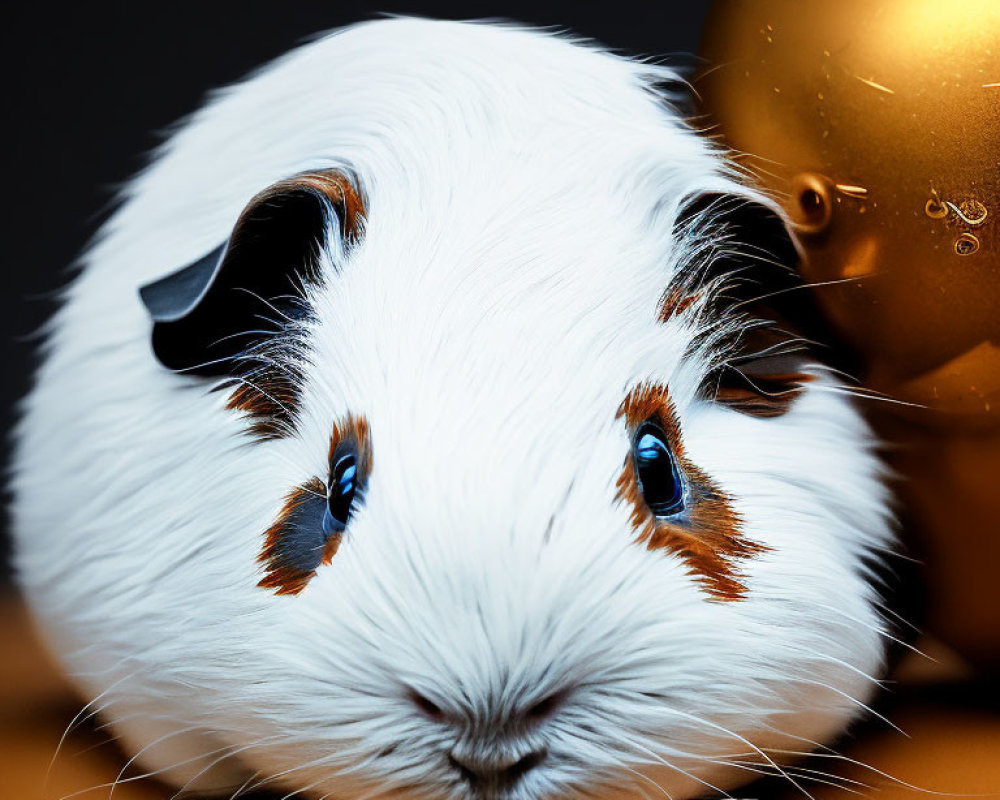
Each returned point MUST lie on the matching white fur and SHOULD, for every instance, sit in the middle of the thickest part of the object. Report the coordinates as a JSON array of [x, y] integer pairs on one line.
[[520, 191]]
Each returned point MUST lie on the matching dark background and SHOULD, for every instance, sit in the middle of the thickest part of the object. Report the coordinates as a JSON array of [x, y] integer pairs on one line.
[[88, 87]]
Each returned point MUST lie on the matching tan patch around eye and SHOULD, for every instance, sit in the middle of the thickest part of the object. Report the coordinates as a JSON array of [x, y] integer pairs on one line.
[[356, 428], [282, 574], [710, 541], [284, 578]]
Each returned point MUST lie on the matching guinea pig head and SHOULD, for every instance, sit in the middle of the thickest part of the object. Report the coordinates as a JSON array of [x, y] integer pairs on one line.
[[551, 495]]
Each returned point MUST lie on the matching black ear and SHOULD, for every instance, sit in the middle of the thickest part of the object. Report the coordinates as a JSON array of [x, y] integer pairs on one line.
[[769, 324], [209, 313]]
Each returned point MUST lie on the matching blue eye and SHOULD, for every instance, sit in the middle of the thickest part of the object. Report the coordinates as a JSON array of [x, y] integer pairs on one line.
[[659, 477], [343, 488]]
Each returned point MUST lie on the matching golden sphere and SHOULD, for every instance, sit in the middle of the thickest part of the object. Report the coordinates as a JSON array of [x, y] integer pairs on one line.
[[877, 125]]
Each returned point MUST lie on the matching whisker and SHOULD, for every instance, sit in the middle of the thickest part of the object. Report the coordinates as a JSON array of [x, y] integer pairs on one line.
[[745, 741], [661, 760], [805, 773], [869, 767], [226, 753], [271, 305], [110, 785], [240, 789], [159, 740], [79, 718], [646, 778]]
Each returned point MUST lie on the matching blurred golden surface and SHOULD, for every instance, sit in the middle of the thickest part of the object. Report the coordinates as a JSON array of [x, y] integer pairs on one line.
[[953, 728], [876, 125]]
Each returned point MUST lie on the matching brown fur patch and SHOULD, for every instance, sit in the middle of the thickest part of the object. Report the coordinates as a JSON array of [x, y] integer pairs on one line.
[[281, 577], [710, 542], [762, 385], [269, 396], [336, 187], [762, 395], [675, 302], [353, 428]]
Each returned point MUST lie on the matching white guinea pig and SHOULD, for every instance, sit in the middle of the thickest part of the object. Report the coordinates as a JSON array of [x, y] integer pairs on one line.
[[428, 423]]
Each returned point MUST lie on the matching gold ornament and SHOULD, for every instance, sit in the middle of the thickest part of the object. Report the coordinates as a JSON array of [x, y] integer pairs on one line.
[[876, 124]]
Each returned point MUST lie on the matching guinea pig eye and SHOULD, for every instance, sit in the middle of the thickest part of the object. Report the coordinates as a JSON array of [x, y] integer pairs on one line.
[[660, 479], [341, 492]]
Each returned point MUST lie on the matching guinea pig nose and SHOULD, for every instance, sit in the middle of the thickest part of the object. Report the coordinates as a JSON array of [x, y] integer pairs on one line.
[[541, 710], [427, 707], [495, 771]]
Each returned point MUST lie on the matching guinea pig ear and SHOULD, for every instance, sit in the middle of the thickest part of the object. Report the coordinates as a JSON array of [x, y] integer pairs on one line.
[[762, 318], [209, 313]]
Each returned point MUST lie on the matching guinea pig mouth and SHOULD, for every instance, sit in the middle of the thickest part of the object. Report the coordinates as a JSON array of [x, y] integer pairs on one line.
[[490, 779], [495, 772]]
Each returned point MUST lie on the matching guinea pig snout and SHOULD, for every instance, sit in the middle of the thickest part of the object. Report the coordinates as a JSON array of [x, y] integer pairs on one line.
[[494, 769], [496, 744]]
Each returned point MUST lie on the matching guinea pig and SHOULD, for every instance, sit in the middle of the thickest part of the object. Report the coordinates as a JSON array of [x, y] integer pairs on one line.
[[436, 417]]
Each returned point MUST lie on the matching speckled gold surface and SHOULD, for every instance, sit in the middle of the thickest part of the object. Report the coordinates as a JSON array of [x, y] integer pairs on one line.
[[876, 124]]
